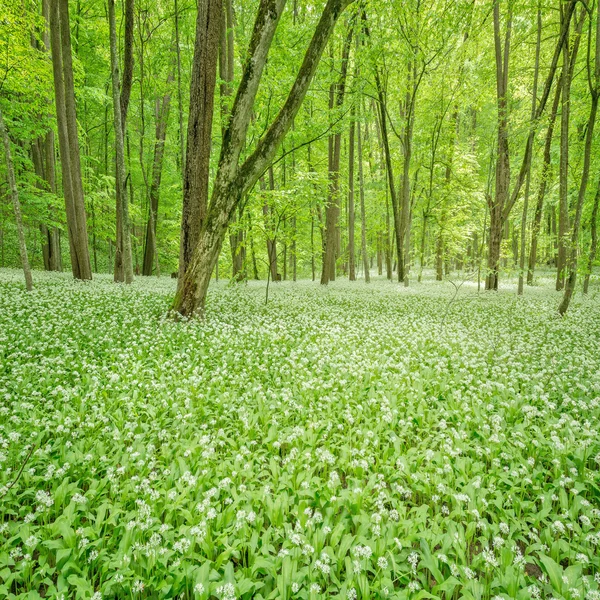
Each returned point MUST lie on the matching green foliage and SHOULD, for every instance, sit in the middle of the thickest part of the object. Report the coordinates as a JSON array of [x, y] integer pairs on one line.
[[348, 442]]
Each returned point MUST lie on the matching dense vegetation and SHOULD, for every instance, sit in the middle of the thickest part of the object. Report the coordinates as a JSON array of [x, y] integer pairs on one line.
[[355, 443], [449, 135], [331, 327]]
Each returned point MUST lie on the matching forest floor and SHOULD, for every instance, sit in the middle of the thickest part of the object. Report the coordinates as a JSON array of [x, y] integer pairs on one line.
[[358, 441]]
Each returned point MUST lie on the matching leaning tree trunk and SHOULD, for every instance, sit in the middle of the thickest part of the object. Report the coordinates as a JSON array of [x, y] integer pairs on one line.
[[232, 181], [14, 192], [594, 83], [122, 201]]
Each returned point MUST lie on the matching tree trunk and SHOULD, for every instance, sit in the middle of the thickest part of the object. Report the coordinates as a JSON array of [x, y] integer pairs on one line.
[[332, 213], [124, 249], [233, 181], [14, 192], [351, 248], [594, 82], [528, 179], [545, 175], [162, 119], [502, 162], [202, 88], [594, 241], [68, 139], [363, 214]]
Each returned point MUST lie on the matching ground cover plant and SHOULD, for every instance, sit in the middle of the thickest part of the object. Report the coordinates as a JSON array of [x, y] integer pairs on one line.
[[346, 442]]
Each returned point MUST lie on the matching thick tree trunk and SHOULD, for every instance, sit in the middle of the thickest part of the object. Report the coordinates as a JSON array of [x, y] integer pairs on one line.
[[233, 181], [202, 91], [545, 175], [124, 248], [14, 193], [68, 139]]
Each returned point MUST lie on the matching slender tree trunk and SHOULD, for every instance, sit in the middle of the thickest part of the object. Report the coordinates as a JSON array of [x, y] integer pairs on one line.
[[14, 192], [594, 241], [351, 224], [332, 213], [179, 94], [269, 227], [563, 196], [545, 175], [363, 213], [122, 201], [587, 155], [528, 179], [162, 119]]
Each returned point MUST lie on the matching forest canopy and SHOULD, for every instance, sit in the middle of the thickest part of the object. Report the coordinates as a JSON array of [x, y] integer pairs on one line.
[[290, 140]]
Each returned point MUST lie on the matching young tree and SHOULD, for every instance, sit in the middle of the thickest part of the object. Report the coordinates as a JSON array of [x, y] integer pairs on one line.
[[594, 87], [14, 193]]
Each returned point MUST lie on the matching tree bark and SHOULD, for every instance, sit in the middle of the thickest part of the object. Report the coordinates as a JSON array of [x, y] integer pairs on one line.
[[202, 92], [124, 247], [233, 181], [351, 219], [14, 193], [162, 118], [594, 84], [545, 175], [68, 139], [332, 213], [361, 191], [528, 178], [502, 162], [594, 241]]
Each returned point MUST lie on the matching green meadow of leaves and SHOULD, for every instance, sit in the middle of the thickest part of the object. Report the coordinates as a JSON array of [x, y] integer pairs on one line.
[[350, 442]]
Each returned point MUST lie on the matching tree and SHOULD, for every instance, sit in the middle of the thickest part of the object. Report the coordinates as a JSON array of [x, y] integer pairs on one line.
[[232, 180], [14, 193], [594, 87], [202, 91], [68, 138], [123, 249]]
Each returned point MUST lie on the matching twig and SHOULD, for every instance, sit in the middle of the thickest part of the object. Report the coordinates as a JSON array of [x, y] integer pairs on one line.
[[33, 447]]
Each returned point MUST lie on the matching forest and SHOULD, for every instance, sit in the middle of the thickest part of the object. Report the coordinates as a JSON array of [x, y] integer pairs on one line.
[[299, 299]]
